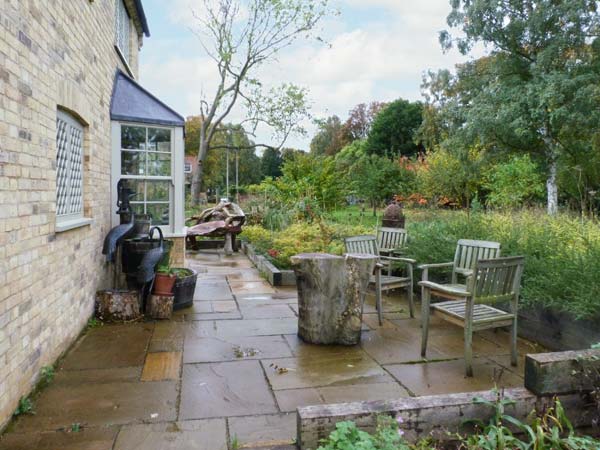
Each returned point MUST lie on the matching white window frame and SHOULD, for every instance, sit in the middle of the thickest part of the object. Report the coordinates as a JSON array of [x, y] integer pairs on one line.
[[70, 137], [122, 31], [176, 226]]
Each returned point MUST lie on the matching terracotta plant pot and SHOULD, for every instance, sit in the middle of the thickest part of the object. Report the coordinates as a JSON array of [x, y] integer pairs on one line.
[[164, 283]]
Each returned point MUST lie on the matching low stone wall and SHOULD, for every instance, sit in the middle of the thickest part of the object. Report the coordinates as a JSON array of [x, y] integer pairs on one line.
[[547, 376], [273, 275], [556, 330]]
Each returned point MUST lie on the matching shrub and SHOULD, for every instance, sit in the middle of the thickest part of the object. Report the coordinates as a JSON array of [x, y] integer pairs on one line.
[[514, 183]]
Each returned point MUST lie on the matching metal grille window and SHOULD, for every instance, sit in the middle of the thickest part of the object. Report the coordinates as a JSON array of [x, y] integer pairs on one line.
[[69, 168], [122, 29], [146, 163]]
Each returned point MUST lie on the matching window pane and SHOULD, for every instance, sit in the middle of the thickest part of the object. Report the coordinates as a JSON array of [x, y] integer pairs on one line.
[[159, 213], [157, 191], [137, 188], [132, 163], [137, 208], [133, 137], [159, 139], [159, 164]]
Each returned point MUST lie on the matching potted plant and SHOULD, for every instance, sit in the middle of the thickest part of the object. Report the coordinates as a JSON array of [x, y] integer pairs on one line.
[[185, 285], [164, 281]]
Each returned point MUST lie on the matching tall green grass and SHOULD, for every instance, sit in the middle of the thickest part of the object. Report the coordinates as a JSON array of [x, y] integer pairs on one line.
[[562, 267]]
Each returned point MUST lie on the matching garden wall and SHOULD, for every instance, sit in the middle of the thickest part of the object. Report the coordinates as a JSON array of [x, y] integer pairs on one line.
[[547, 375], [273, 275]]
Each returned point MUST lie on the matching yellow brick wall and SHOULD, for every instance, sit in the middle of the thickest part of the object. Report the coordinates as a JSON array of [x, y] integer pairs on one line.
[[53, 54]]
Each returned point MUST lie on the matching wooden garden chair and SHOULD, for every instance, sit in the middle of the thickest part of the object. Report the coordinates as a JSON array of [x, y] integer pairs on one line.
[[492, 281], [391, 240], [466, 255], [368, 244]]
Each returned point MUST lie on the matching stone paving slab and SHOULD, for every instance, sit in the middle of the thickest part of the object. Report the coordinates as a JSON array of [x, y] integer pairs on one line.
[[250, 327], [264, 430], [162, 366], [68, 378], [101, 404], [251, 287], [316, 372], [101, 438], [449, 377], [362, 392], [235, 348], [110, 346], [208, 434], [212, 291], [289, 400], [224, 389], [266, 311]]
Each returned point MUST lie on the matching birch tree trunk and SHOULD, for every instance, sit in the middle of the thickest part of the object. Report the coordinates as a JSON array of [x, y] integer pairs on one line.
[[197, 178], [552, 186]]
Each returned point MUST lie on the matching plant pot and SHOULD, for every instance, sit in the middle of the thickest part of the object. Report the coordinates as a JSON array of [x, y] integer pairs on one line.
[[163, 284], [184, 288]]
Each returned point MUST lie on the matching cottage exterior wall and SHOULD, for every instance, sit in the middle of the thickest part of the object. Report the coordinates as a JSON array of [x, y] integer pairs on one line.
[[53, 55]]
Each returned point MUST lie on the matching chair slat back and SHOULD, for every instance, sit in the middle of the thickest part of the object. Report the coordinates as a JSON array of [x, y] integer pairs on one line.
[[468, 252], [498, 279], [362, 244], [391, 238]]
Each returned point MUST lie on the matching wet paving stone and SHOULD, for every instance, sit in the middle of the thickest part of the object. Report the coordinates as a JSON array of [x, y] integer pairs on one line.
[[212, 291], [224, 389], [266, 311], [388, 345], [263, 430], [251, 287], [108, 346], [207, 434], [245, 275], [101, 404], [250, 327], [217, 349], [168, 336], [291, 399], [303, 372], [449, 377], [362, 392], [162, 366], [118, 374], [101, 438]]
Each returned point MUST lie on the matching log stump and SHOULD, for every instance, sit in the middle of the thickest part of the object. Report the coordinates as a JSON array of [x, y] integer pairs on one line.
[[117, 306], [331, 294], [160, 306]]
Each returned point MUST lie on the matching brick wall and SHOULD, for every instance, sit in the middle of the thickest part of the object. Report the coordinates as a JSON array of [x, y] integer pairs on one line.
[[53, 53]]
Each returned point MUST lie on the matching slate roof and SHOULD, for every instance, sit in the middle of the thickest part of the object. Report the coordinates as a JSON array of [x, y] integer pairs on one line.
[[131, 102]]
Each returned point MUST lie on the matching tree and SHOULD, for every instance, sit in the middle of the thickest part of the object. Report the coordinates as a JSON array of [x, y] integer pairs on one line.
[[376, 178], [240, 36], [539, 87], [360, 119], [328, 140], [393, 130], [271, 163]]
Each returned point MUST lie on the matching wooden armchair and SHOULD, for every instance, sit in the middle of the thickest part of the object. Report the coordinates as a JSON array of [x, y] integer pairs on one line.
[[391, 240], [466, 255], [368, 244], [492, 280]]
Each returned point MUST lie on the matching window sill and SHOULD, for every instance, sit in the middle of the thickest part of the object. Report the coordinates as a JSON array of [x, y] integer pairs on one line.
[[72, 224]]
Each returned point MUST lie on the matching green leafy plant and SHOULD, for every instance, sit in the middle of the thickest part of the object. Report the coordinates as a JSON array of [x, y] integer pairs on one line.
[[347, 436], [93, 323], [25, 406], [47, 374]]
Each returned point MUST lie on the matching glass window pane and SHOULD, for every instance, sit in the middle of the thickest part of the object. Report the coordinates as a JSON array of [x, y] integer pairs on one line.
[[157, 191], [133, 137], [159, 139], [159, 164], [132, 163], [159, 213], [137, 188], [137, 208]]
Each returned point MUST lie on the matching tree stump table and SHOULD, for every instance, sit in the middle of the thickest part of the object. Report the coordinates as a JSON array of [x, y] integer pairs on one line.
[[331, 293], [117, 306]]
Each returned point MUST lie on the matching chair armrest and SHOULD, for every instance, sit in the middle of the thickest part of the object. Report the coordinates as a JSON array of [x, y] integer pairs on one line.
[[436, 265], [465, 272], [399, 259], [444, 289]]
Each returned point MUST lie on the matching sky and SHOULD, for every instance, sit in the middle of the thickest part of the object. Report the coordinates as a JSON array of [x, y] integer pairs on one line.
[[377, 50]]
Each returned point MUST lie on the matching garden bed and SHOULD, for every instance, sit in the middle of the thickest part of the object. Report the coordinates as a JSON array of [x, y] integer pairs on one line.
[[273, 275]]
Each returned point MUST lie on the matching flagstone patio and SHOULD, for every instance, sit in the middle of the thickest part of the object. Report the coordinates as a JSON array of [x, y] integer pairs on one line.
[[231, 369]]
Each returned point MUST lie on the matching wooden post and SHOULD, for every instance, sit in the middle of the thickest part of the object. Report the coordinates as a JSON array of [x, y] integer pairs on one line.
[[160, 306], [117, 306], [331, 293]]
